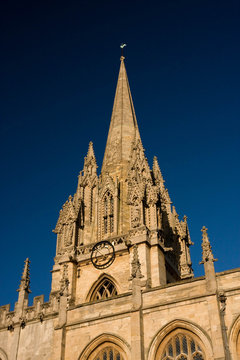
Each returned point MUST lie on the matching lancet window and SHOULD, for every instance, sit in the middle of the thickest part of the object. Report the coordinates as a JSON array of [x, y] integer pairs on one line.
[[108, 214], [104, 290], [182, 347], [108, 353]]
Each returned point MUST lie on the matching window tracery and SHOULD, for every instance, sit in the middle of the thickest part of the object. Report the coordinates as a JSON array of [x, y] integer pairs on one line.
[[108, 213], [105, 289], [182, 347], [108, 353]]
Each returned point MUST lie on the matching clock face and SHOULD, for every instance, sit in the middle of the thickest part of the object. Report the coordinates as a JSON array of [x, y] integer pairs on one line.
[[103, 254]]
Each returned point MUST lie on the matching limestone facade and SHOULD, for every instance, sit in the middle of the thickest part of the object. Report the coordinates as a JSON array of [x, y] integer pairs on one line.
[[146, 305]]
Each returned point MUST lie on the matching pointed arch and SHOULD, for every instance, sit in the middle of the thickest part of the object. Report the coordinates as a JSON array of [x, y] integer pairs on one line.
[[104, 287], [106, 341], [178, 329], [234, 338], [3, 355]]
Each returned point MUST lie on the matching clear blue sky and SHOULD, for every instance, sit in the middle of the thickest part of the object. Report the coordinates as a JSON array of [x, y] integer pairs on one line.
[[59, 67]]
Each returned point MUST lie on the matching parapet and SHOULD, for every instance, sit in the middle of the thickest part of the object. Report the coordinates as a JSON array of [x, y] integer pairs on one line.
[[39, 311]]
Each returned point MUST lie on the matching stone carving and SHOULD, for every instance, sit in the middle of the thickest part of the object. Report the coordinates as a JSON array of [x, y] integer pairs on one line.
[[67, 215], [135, 195], [207, 254], [222, 299], [10, 322], [22, 322], [159, 218], [138, 165], [41, 317], [106, 182], [68, 233], [135, 217], [136, 265], [151, 195], [64, 282]]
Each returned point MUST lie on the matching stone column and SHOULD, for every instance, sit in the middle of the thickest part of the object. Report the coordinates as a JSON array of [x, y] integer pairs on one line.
[[136, 313]]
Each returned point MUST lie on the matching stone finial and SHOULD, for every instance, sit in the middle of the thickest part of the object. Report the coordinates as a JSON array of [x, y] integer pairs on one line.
[[207, 254], [25, 280], [90, 150], [136, 265]]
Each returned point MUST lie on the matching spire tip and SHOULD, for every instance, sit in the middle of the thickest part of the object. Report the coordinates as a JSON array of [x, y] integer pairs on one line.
[[122, 46]]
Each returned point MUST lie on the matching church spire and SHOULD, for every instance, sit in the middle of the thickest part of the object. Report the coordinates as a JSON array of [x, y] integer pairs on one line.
[[123, 127]]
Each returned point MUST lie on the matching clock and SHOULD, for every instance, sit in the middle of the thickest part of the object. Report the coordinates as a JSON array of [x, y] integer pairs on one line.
[[103, 254]]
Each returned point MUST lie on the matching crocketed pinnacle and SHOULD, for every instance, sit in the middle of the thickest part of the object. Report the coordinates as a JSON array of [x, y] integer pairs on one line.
[[207, 254], [123, 127], [25, 279], [157, 172], [90, 164]]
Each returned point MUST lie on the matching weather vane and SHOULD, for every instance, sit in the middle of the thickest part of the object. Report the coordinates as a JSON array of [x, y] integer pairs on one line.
[[122, 46]]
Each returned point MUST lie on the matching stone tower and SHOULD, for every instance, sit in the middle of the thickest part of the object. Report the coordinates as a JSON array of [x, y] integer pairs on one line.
[[127, 204]]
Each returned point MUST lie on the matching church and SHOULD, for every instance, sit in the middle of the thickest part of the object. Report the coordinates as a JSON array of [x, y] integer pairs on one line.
[[123, 287]]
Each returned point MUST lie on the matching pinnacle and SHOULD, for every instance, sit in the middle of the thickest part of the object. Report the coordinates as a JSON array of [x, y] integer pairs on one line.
[[174, 211], [90, 150], [25, 279], [207, 254], [156, 171], [204, 234], [90, 164]]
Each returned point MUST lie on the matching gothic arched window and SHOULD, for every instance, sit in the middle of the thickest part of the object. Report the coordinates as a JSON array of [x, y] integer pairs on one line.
[[182, 347], [108, 353], [108, 214], [104, 290]]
